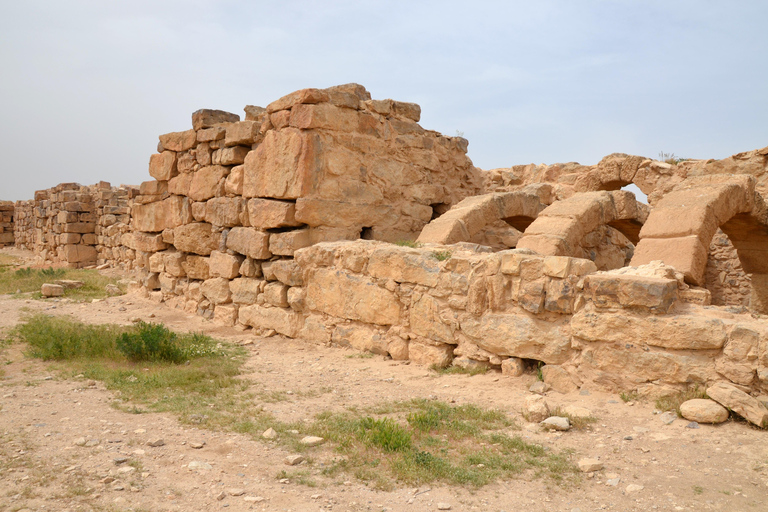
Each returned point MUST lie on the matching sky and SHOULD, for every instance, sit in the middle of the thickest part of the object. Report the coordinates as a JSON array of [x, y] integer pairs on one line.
[[87, 86]]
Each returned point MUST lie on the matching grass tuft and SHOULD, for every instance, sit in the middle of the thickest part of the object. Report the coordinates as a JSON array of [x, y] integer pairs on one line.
[[442, 255], [408, 243], [673, 402], [460, 370]]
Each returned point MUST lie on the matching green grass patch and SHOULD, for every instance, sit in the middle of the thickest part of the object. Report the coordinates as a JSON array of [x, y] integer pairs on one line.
[[442, 255], [460, 370], [629, 396], [29, 280], [408, 243], [672, 402]]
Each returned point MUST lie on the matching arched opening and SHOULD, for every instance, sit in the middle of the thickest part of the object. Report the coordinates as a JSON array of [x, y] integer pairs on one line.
[[749, 235]]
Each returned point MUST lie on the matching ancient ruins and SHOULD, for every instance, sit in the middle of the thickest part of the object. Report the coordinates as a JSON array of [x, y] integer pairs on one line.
[[336, 218]]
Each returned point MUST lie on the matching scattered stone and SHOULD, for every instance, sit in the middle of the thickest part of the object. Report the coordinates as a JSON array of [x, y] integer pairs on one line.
[[539, 387], [739, 402], [254, 499], [703, 411], [120, 460], [668, 417], [91, 443], [590, 465], [51, 290], [80, 441], [443, 506], [155, 442], [574, 411], [692, 424], [294, 460], [196, 445], [613, 482], [316, 496], [537, 408], [269, 434], [312, 441], [125, 470], [221, 496], [634, 488], [236, 491], [556, 423], [107, 480], [196, 464], [112, 290]]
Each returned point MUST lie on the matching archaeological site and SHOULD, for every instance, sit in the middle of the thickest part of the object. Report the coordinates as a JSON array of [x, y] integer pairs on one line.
[[334, 218]]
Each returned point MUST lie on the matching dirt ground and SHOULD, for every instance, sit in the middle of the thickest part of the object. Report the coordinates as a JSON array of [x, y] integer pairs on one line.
[[722, 467]]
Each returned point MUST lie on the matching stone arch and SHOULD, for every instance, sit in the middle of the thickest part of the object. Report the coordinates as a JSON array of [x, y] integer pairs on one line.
[[471, 215], [680, 229], [619, 170], [560, 228]]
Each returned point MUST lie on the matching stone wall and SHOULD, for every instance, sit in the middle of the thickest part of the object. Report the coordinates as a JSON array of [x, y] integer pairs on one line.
[[6, 223], [75, 225], [231, 200], [625, 329], [725, 277]]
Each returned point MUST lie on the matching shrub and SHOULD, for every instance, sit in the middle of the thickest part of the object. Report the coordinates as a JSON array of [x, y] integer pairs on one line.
[[151, 342]]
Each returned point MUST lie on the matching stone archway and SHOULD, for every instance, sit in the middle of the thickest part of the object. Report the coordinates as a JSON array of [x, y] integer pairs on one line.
[[471, 215], [560, 228], [680, 229]]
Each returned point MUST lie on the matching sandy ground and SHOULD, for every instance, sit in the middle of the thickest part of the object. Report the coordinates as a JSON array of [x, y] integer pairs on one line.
[[722, 467]]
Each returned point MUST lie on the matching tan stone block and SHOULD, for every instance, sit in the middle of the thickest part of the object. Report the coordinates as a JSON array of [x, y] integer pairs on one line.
[[288, 242], [51, 290], [512, 367], [522, 336], [557, 377], [162, 166], [187, 162], [65, 217], [78, 206], [234, 183], [172, 263], [216, 290], [617, 290], [557, 266], [196, 267], [250, 242], [285, 321], [145, 242], [410, 111], [269, 214], [179, 141], [224, 211], [69, 238], [739, 402], [78, 253], [180, 184], [224, 265], [343, 295], [284, 166], [79, 227], [324, 116], [230, 156], [686, 254], [425, 320], [361, 337], [211, 134], [245, 290], [198, 211], [681, 221], [703, 411], [206, 117], [287, 271], [307, 96], [153, 187], [545, 244], [323, 212], [156, 262], [225, 314], [155, 217], [276, 293], [404, 264], [424, 354], [254, 113], [205, 182], [250, 268], [280, 119], [197, 238]]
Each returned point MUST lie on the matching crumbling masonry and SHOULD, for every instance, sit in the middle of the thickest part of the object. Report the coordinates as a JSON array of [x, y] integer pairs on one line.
[[292, 221]]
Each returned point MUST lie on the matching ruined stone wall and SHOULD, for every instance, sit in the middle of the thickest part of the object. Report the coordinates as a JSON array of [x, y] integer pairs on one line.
[[725, 277], [6, 223], [75, 225], [231, 201], [626, 329]]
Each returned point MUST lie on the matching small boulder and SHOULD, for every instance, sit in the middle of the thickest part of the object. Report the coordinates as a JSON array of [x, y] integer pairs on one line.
[[702, 410], [269, 434], [312, 441], [590, 465], [632, 488], [51, 290], [740, 403], [155, 442], [294, 460], [557, 377], [668, 417], [556, 423], [537, 408], [539, 387]]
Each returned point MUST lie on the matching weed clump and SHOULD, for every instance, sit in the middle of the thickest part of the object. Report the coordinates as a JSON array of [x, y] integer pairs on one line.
[[151, 342]]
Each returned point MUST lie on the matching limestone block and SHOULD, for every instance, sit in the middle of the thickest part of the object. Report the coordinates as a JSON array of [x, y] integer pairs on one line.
[[196, 267], [740, 372], [234, 155], [287, 272], [223, 211], [284, 166], [678, 332], [250, 242], [686, 254], [216, 290], [205, 182], [198, 211], [558, 378], [156, 262], [512, 367], [77, 206], [276, 293], [179, 141], [234, 182], [361, 337], [51, 290], [343, 295], [167, 283], [692, 219], [243, 133], [78, 253], [315, 330], [284, 321], [397, 348], [280, 119], [324, 116], [168, 213], [739, 402], [557, 266], [521, 336], [211, 134], [224, 265], [302, 96], [172, 263], [560, 295], [703, 411], [151, 187], [269, 214], [297, 298], [512, 261], [69, 238], [186, 162], [245, 290], [616, 290], [410, 111], [425, 320], [225, 314], [286, 243], [337, 213], [162, 166], [254, 113], [250, 268], [64, 217], [206, 117], [180, 184], [438, 355], [404, 265], [197, 238], [79, 227]]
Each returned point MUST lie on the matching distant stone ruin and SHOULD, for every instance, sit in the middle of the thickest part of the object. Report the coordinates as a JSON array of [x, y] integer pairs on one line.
[[337, 218]]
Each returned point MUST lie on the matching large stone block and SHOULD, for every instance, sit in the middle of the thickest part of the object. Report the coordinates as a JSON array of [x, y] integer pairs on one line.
[[686, 254], [270, 214], [287, 272], [197, 238], [324, 116], [426, 320], [739, 402], [206, 117], [361, 337], [245, 290], [284, 166], [216, 290], [343, 295], [146, 242], [242, 133], [250, 242], [162, 166], [196, 267], [205, 182], [439, 355], [234, 155], [179, 141], [302, 96], [285, 321], [286, 243], [225, 265], [155, 217], [323, 212], [617, 290], [224, 211], [78, 253]]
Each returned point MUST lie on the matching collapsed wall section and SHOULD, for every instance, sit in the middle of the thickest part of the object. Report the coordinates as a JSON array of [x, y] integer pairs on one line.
[[7, 227]]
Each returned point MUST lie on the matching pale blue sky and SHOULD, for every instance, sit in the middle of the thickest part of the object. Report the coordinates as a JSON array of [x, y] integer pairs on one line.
[[86, 86]]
